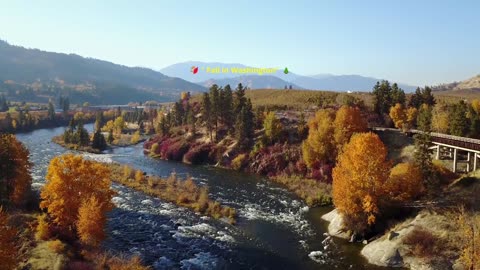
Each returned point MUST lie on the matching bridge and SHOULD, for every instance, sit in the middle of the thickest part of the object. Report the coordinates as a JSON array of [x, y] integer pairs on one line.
[[454, 147]]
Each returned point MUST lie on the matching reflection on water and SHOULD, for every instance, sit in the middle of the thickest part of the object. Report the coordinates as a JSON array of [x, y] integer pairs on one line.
[[275, 230]]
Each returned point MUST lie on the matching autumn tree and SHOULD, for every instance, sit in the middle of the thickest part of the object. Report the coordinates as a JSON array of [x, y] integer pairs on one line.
[[404, 183], [70, 180], [440, 122], [15, 179], [397, 114], [273, 127], [319, 146], [135, 137], [359, 180], [348, 120], [469, 228], [8, 248], [119, 125], [91, 221]]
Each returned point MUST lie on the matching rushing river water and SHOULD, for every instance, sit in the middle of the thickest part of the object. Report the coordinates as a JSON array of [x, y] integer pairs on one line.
[[274, 230]]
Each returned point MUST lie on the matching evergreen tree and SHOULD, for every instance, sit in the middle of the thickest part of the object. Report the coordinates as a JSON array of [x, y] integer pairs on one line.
[[416, 99], [383, 97], [458, 119], [66, 105], [3, 103], [51, 111], [240, 99], [81, 135], [207, 113], [98, 141], [423, 140], [398, 95], [427, 97], [215, 108], [244, 127], [227, 107], [474, 123]]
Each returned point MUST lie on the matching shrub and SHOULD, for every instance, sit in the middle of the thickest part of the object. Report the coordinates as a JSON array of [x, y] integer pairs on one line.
[[134, 263], [199, 154], [56, 246], [239, 161], [136, 137], [43, 230], [422, 243]]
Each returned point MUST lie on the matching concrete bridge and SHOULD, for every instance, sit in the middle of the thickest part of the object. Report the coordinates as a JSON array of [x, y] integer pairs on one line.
[[455, 147], [459, 149]]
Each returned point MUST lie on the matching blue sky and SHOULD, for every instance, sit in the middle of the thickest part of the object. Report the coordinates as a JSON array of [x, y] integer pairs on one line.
[[416, 42]]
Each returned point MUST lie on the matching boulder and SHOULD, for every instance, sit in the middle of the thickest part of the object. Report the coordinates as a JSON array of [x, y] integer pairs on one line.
[[335, 228]]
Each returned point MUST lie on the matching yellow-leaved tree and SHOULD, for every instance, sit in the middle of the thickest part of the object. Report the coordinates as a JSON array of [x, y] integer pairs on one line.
[[70, 180], [405, 183], [397, 114], [319, 145], [8, 248], [359, 180], [91, 222], [348, 120]]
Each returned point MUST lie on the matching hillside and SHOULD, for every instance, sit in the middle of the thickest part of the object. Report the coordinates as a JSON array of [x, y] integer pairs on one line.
[[468, 89], [91, 79]]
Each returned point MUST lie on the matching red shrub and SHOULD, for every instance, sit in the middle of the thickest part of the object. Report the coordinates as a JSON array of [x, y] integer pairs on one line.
[[198, 154]]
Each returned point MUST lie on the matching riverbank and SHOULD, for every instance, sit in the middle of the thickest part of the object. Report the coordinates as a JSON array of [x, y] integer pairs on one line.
[[182, 192], [432, 237], [280, 163], [124, 140]]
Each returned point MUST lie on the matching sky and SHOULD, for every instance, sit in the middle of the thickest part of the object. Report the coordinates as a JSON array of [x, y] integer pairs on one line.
[[416, 42]]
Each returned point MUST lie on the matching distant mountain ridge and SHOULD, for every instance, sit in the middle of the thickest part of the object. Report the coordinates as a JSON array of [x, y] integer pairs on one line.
[[313, 82], [471, 84], [55, 70]]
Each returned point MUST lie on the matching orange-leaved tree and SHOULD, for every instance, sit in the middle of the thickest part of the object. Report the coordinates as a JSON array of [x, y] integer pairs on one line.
[[319, 147], [397, 114], [91, 221], [70, 180], [15, 179], [8, 249], [348, 120], [405, 183], [358, 180]]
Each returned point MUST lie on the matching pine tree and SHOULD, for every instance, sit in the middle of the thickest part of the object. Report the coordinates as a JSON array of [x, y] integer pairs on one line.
[[398, 95], [383, 97], [240, 99], [81, 135], [458, 119], [422, 156], [215, 107], [227, 107], [51, 111], [206, 113], [416, 99], [3, 103], [98, 141]]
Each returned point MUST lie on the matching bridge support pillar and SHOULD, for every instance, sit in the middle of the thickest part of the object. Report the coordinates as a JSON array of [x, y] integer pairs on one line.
[[437, 156], [454, 160], [468, 161], [475, 161]]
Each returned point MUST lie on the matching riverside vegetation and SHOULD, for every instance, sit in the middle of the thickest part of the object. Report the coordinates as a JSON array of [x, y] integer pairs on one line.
[[330, 154]]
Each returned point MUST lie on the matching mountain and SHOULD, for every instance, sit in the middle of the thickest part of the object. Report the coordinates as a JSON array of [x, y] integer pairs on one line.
[[95, 80], [252, 82], [342, 83], [314, 82], [468, 84]]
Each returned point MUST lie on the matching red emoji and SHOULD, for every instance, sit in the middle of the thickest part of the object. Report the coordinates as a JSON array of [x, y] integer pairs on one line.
[[194, 70]]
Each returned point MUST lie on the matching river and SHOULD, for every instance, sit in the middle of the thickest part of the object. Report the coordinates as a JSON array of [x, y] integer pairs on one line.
[[274, 230]]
